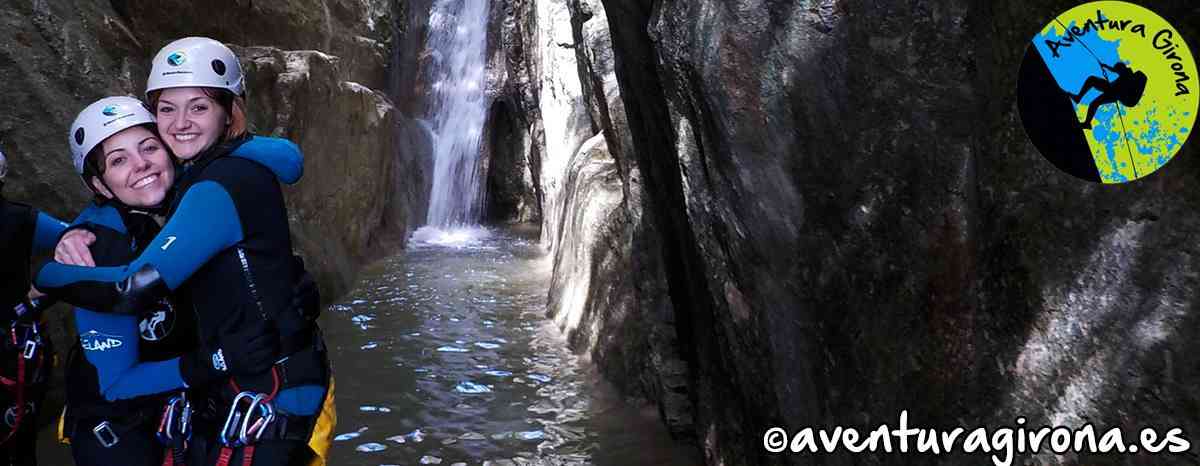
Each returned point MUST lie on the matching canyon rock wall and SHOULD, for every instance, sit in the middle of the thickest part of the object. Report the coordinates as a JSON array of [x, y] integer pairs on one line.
[[852, 222]]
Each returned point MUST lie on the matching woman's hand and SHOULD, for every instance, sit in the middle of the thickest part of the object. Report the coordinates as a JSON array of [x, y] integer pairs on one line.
[[73, 249]]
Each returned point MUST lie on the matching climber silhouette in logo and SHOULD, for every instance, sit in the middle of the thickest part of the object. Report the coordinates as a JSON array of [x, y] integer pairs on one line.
[[1126, 89]]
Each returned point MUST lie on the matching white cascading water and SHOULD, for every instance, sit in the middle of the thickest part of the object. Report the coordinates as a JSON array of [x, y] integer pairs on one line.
[[458, 108]]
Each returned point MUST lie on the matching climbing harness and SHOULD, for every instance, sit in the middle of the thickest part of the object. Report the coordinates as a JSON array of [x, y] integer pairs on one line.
[[24, 339]]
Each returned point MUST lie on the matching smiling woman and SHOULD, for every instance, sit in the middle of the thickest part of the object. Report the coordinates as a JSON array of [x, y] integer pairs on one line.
[[136, 168], [117, 151], [225, 247], [191, 119], [196, 90], [120, 381]]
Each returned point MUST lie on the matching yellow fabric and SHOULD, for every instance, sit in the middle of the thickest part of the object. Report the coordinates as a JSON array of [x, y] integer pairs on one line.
[[322, 436], [62, 427]]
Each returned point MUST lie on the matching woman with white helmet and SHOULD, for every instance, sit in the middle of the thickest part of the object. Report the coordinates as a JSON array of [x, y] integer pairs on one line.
[[225, 247], [132, 371]]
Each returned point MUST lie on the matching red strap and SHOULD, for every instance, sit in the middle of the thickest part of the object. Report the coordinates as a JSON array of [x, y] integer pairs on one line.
[[274, 384], [248, 455], [226, 454], [169, 458], [20, 395]]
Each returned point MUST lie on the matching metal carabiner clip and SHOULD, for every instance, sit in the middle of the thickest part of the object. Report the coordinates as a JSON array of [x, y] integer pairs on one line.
[[185, 420], [230, 433], [167, 427], [265, 418]]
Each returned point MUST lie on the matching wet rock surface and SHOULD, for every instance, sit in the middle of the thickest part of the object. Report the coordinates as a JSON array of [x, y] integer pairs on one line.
[[514, 137], [358, 194], [609, 293], [855, 224]]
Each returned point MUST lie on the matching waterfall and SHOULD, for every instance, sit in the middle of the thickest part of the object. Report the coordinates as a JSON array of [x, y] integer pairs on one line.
[[455, 70]]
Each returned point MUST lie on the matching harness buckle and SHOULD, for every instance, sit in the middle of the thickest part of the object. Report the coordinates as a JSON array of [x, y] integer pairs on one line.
[[27, 337], [105, 434], [30, 349]]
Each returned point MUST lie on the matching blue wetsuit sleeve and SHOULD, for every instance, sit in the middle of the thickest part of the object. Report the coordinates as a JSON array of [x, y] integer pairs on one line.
[[110, 343], [146, 378], [281, 156], [45, 234], [105, 215], [205, 223]]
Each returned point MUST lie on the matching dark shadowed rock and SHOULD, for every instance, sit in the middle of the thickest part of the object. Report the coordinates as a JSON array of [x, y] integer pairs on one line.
[[855, 224], [625, 321], [513, 140]]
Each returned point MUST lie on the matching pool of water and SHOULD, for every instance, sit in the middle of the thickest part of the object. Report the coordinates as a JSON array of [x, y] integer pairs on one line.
[[443, 355]]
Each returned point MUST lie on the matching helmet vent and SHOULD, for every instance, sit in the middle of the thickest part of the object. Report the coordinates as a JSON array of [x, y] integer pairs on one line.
[[219, 67]]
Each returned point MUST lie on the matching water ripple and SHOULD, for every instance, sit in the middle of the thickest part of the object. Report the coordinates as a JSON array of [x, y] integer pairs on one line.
[[437, 354]]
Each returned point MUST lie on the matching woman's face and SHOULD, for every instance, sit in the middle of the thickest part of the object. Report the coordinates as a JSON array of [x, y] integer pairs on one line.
[[137, 168], [189, 120]]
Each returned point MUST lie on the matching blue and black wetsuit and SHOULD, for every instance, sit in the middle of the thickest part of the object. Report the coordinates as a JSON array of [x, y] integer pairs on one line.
[[131, 362], [118, 361], [226, 250], [23, 232]]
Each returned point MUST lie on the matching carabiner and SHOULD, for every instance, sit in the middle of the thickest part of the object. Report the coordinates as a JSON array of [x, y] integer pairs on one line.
[[230, 434], [167, 427], [265, 418]]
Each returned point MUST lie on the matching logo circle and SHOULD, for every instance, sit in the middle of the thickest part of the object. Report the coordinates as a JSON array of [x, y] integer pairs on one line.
[[157, 325], [176, 58], [1107, 91]]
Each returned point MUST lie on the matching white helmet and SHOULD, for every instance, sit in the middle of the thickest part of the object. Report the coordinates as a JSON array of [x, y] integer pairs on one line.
[[104, 118], [195, 62]]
